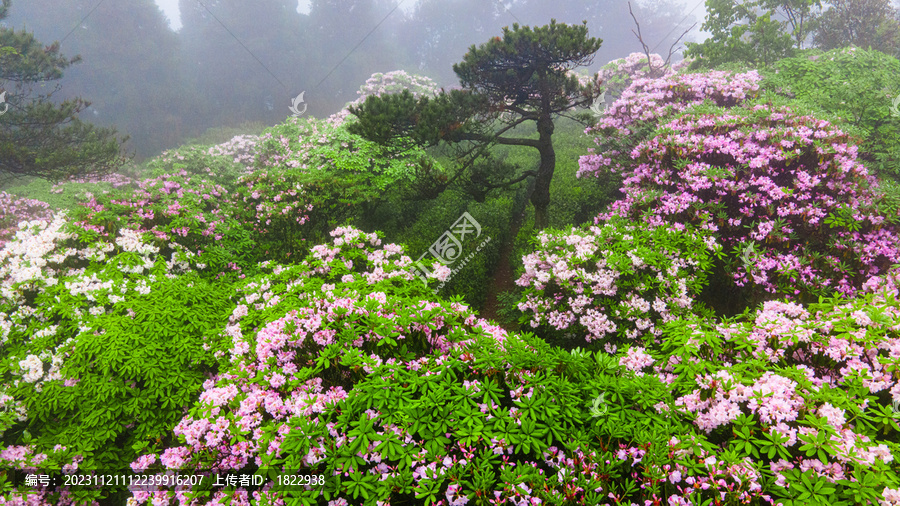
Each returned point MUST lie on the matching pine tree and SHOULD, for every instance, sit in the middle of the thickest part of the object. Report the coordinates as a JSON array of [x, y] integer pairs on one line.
[[519, 78], [38, 136]]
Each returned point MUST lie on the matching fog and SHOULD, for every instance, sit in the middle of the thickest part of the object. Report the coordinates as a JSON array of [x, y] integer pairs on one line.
[[165, 72]]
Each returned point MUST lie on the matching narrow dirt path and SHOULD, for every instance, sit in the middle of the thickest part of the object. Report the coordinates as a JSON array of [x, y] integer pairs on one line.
[[504, 279]]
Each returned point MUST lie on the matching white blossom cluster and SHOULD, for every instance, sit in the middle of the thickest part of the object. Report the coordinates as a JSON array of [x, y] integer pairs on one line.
[[89, 286], [32, 368], [5, 327], [130, 240], [8, 404], [22, 260]]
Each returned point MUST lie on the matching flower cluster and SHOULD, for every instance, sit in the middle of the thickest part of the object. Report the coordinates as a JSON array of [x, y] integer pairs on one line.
[[241, 149], [385, 84], [617, 279], [801, 425], [783, 192], [72, 301], [14, 210], [617, 75], [647, 101], [185, 216]]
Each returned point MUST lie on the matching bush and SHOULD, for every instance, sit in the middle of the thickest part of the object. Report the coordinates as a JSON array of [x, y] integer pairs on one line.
[[15, 210], [618, 75], [613, 283], [221, 164], [182, 214], [103, 346], [804, 393], [226, 134], [306, 335], [856, 84], [696, 417], [345, 177], [782, 191], [647, 102]]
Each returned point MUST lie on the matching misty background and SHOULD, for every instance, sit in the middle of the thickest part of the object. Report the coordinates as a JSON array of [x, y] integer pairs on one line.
[[166, 71]]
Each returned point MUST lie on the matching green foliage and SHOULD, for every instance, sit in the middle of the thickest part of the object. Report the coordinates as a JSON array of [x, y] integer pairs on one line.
[[858, 86], [749, 31], [527, 62], [473, 272], [577, 200], [869, 24], [505, 418], [888, 204], [799, 366], [200, 161], [127, 352], [345, 178]]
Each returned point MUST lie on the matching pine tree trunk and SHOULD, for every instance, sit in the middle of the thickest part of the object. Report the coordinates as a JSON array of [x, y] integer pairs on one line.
[[540, 197]]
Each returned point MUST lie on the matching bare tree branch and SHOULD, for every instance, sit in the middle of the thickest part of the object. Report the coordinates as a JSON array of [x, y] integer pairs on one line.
[[655, 72]]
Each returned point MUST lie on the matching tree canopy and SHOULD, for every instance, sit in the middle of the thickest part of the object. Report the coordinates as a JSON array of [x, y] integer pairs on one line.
[[761, 32], [521, 77]]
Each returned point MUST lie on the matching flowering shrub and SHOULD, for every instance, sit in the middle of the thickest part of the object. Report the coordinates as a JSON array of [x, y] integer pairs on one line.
[[241, 149], [341, 176], [300, 338], [618, 75], [614, 280], [504, 418], [14, 210], [783, 192], [56, 196], [640, 109], [804, 391], [140, 330], [385, 84], [221, 164], [104, 344], [338, 366], [333, 370], [275, 207], [181, 214]]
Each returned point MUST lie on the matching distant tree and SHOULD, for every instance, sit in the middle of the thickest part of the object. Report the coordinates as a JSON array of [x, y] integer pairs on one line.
[[39, 137], [349, 41], [862, 23], [131, 71], [440, 32], [519, 78], [755, 32], [244, 61]]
